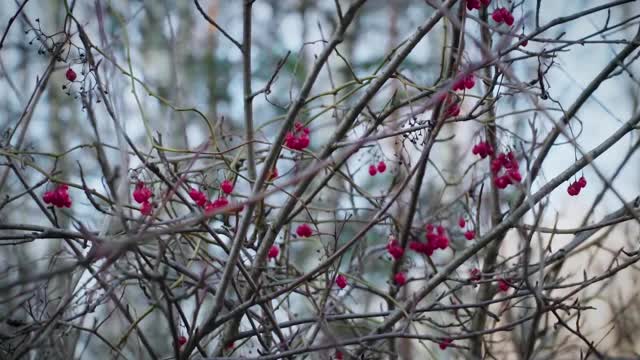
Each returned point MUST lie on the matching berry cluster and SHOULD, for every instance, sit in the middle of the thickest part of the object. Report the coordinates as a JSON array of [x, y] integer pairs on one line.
[[435, 240], [274, 250], [299, 138], [341, 281], [142, 194], [476, 4], [512, 172], [304, 230], [576, 186], [482, 149], [211, 206], [380, 168], [465, 82], [394, 248], [58, 197], [502, 15]]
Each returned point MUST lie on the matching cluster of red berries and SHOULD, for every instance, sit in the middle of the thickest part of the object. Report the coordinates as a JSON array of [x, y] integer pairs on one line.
[[576, 186], [304, 230], [58, 197], [469, 234], [435, 240], [445, 343], [511, 174], [341, 281], [299, 138], [400, 278], [393, 247], [482, 149], [502, 15], [274, 250], [475, 4], [380, 168], [465, 82], [211, 206], [142, 194]]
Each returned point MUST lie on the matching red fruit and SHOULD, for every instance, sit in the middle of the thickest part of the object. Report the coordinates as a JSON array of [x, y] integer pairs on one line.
[[142, 193], [400, 278], [226, 186], [501, 182], [146, 208], [503, 285], [429, 227], [503, 15], [475, 150], [485, 2], [70, 75], [182, 340], [574, 189], [219, 203], [470, 234], [440, 229], [445, 343], [496, 166], [498, 16], [395, 249], [341, 281], [582, 182], [299, 138], [58, 197], [304, 230], [338, 355], [475, 274], [461, 222], [524, 43], [514, 175], [469, 81], [416, 246], [273, 252], [442, 242], [453, 110], [382, 167], [198, 197], [373, 170], [473, 4]]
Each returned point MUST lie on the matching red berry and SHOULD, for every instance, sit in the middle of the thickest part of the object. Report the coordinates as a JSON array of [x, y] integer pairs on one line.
[[219, 203], [524, 43], [453, 110], [382, 167], [461, 222], [582, 182], [58, 197], [485, 2], [501, 182], [470, 234], [273, 252], [475, 274], [473, 4], [445, 343], [71, 75], [199, 197], [503, 285], [146, 208], [226, 186], [515, 175], [373, 170], [429, 227], [341, 281], [142, 193], [304, 230], [182, 340], [400, 278], [442, 242], [395, 249], [574, 189]]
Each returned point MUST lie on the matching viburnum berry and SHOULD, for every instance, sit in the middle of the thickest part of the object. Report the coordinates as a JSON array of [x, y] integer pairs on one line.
[[58, 197], [182, 340], [503, 285], [482, 149], [475, 274], [382, 167], [394, 248], [146, 208], [226, 186], [461, 222], [400, 278], [503, 15], [465, 82], [501, 182], [70, 75], [453, 110], [141, 194], [373, 170], [274, 250], [445, 343], [470, 234], [198, 197], [219, 203], [341, 281], [582, 182], [524, 43], [304, 230], [475, 4], [299, 138]]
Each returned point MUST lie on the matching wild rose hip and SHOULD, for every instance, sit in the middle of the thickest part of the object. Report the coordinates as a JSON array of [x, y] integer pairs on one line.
[[304, 230], [382, 167], [226, 186], [373, 170], [341, 281], [400, 278], [70, 75], [273, 252]]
